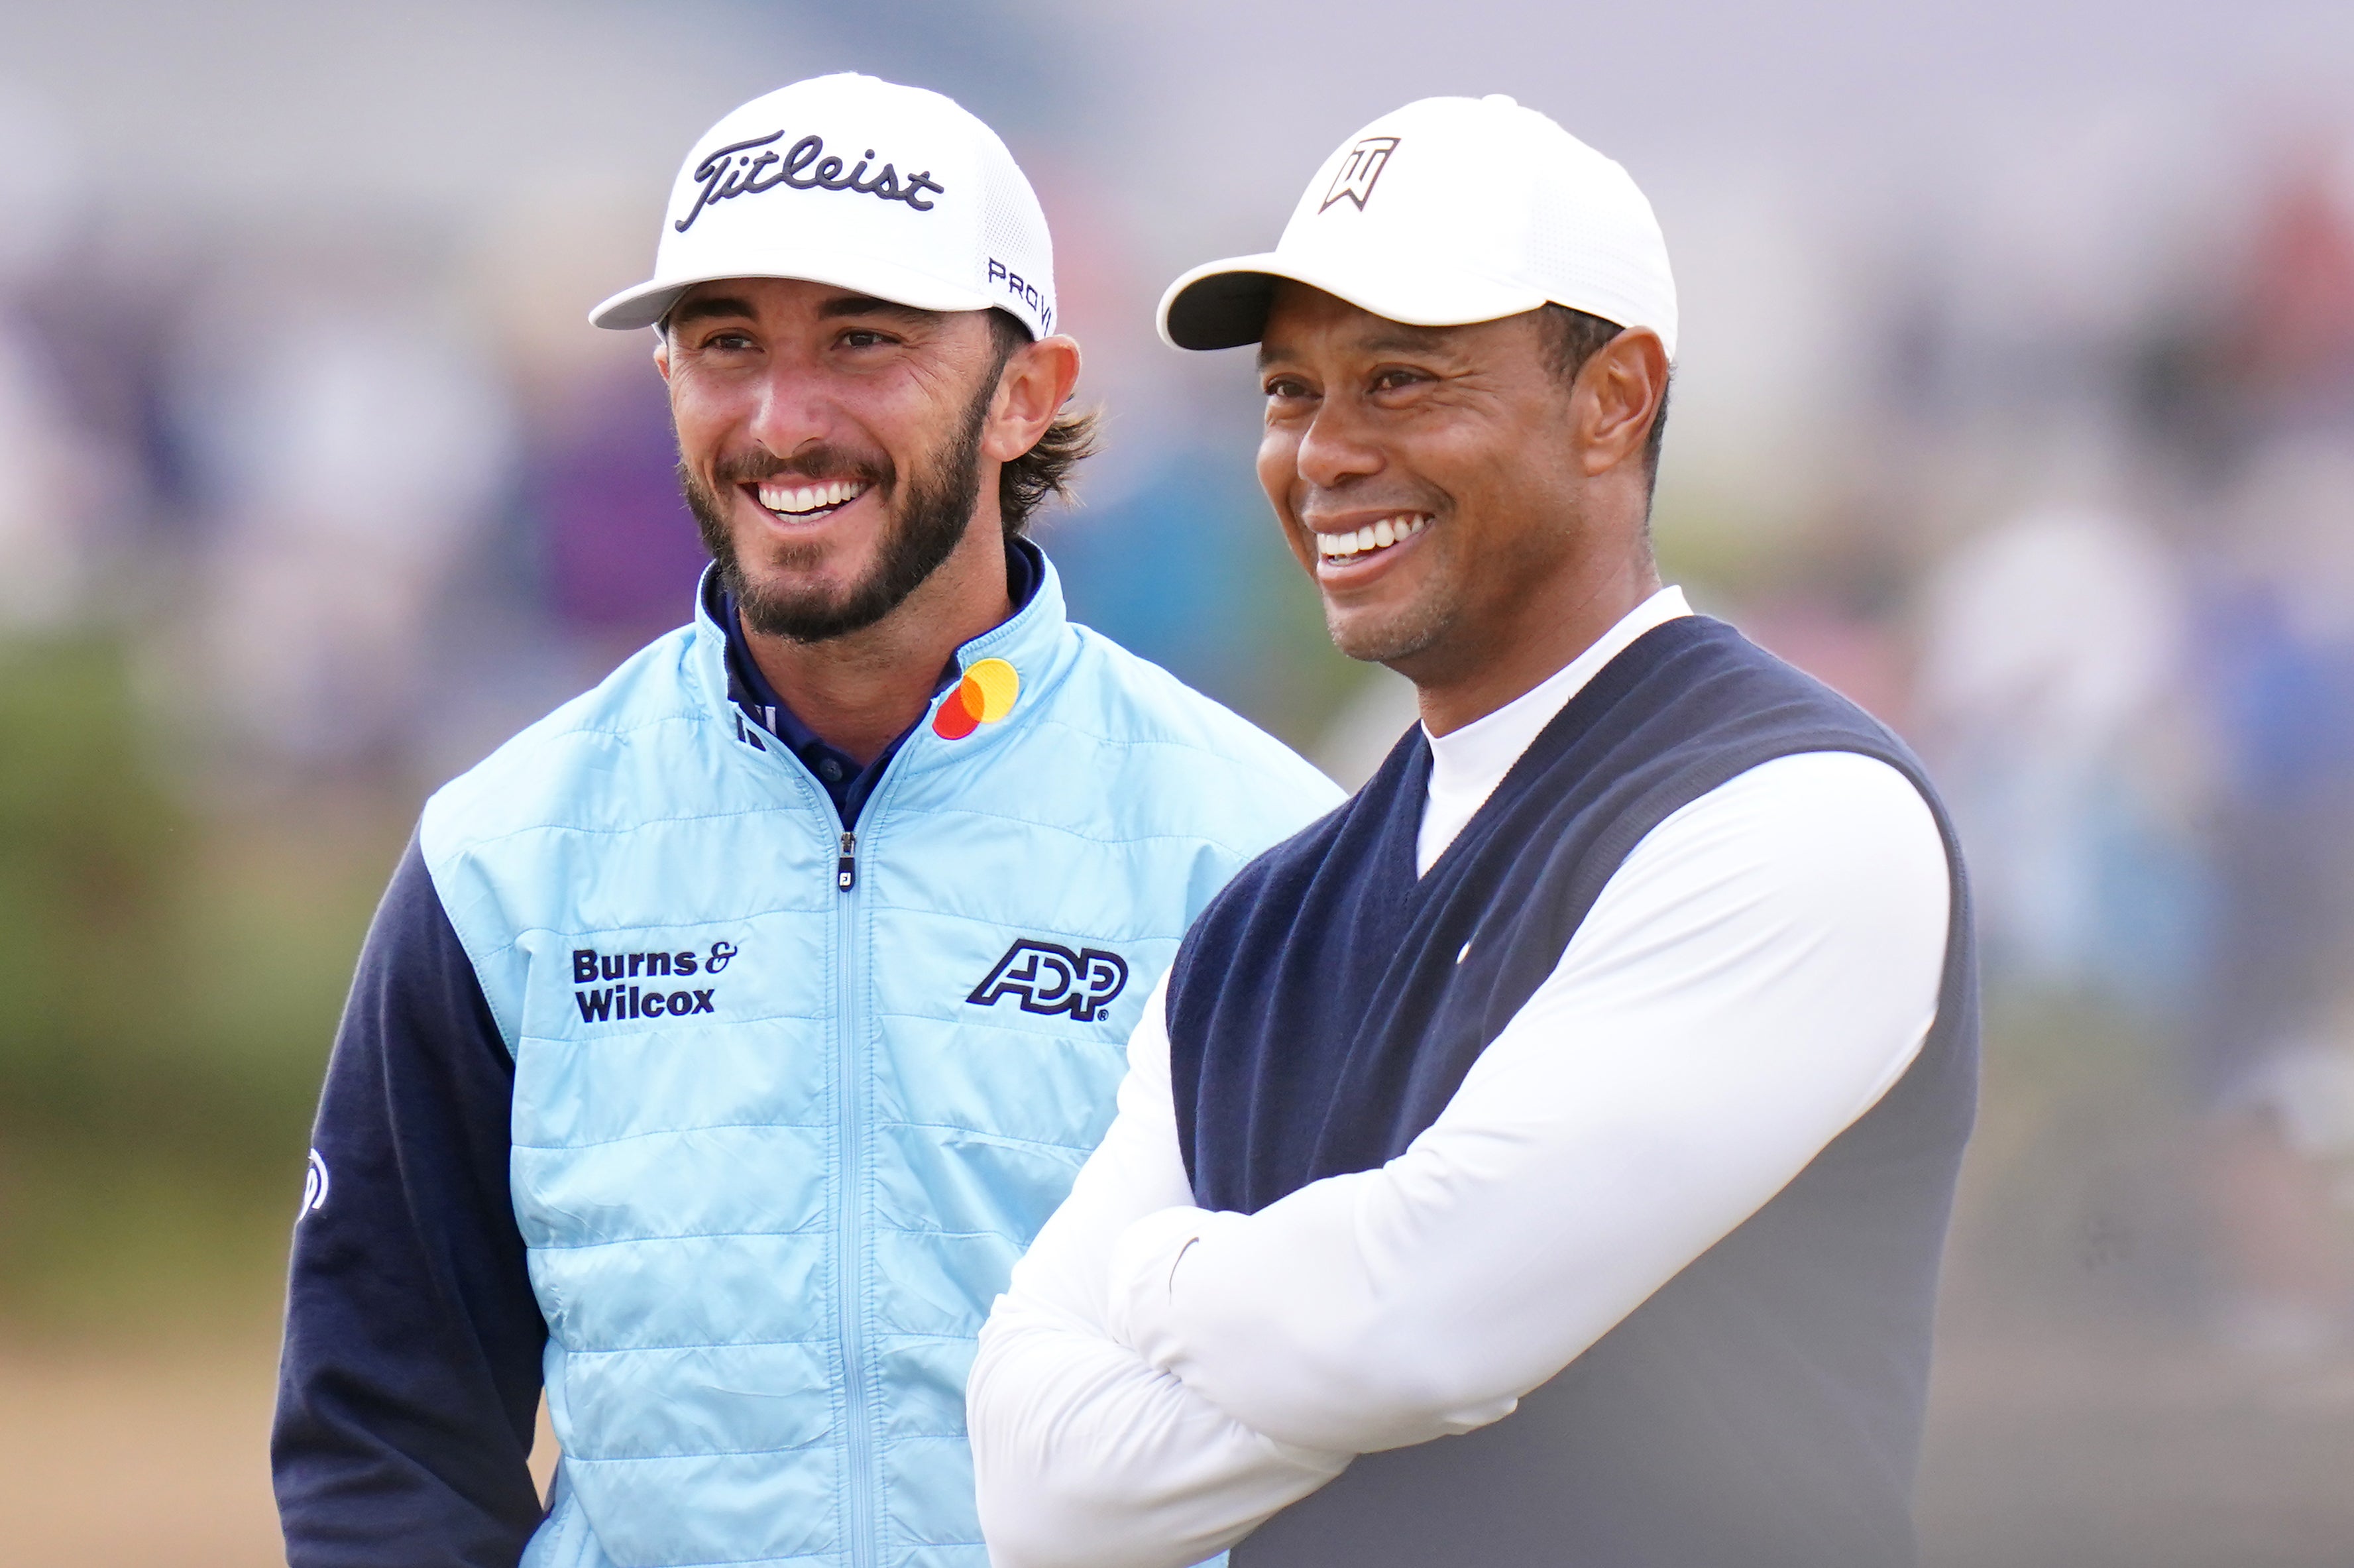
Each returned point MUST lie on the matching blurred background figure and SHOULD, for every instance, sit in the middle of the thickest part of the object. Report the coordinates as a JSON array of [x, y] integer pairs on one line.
[[2016, 402], [2051, 644], [346, 442], [58, 478], [2275, 1041]]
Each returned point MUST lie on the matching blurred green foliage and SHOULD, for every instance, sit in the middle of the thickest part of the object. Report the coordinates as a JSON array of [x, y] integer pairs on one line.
[[89, 855], [172, 981]]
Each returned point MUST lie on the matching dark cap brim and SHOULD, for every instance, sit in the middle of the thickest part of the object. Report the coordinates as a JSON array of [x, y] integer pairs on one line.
[[1225, 304], [1224, 310]]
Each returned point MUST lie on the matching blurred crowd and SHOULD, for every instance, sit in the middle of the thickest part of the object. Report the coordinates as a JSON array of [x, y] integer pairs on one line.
[[349, 520], [2133, 671]]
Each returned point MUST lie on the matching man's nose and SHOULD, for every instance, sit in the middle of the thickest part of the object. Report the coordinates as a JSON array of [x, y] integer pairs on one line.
[[793, 408], [1337, 447]]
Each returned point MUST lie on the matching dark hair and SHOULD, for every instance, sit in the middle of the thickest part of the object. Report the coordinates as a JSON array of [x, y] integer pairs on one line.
[[1571, 337], [1045, 469]]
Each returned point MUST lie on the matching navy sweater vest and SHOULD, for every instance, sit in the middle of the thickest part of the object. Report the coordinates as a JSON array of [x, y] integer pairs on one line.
[[1763, 1407]]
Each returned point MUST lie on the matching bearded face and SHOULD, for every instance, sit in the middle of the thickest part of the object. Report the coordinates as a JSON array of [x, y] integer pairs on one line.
[[781, 586], [830, 444]]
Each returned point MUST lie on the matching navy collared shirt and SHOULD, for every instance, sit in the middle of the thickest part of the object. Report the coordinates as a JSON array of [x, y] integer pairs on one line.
[[839, 774]]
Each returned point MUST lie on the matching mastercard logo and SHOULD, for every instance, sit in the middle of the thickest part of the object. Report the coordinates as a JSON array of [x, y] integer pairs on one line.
[[985, 695]]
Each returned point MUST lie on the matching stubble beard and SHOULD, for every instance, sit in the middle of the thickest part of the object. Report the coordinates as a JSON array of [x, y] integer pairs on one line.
[[922, 528], [1402, 635], [1449, 629], [1410, 632]]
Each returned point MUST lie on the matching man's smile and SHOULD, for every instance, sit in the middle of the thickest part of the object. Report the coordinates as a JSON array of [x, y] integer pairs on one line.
[[1368, 542], [802, 502]]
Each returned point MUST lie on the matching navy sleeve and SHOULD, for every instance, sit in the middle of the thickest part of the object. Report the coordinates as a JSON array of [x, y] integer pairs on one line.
[[410, 1376]]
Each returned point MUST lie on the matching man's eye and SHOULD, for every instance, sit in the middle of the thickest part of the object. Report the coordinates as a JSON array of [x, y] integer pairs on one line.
[[728, 342], [864, 337], [1284, 386], [1391, 380]]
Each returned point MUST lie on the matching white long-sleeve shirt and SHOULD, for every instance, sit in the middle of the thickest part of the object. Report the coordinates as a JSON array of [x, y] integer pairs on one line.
[[1159, 1379]]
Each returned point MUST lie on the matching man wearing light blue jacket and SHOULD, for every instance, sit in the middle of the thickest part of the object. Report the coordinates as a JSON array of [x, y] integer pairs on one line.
[[725, 1036]]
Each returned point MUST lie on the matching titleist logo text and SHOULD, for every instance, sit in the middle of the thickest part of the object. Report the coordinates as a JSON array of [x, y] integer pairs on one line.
[[748, 168]]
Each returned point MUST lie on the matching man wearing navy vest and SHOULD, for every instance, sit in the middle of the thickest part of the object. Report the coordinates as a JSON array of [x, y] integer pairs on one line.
[[726, 1034], [1545, 1159]]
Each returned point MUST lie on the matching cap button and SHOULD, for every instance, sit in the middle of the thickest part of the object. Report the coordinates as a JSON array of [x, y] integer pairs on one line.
[[1504, 98]]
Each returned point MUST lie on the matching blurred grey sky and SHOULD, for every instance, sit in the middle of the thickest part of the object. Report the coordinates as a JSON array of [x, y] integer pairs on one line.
[[1214, 102]]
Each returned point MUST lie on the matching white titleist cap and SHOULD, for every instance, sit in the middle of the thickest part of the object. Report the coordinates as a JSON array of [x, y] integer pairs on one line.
[[1450, 210], [893, 191]]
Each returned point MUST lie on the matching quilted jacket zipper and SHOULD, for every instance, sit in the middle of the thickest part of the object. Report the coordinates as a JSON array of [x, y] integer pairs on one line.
[[849, 1293]]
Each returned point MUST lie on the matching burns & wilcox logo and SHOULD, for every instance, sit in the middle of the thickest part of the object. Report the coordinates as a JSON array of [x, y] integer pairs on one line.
[[749, 168], [1049, 978], [619, 1001], [1359, 170]]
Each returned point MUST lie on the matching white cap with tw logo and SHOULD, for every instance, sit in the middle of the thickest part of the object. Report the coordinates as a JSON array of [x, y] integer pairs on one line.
[[893, 191], [1447, 211]]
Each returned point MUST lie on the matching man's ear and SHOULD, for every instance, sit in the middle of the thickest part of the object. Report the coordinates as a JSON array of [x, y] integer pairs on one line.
[[1037, 382], [661, 354], [1620, 389]]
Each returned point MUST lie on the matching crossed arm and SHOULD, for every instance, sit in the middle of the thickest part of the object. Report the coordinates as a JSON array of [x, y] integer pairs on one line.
[[1159, 1379]]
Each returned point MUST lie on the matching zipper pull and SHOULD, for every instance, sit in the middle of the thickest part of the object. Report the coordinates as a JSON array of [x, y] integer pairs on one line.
[[845, 870]]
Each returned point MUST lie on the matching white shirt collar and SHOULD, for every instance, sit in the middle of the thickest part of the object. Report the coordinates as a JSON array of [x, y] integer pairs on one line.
[[1466, 764]]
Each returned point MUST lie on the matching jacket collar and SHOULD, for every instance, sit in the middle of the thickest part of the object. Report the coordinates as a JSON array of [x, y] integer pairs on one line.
[[1035, 640]]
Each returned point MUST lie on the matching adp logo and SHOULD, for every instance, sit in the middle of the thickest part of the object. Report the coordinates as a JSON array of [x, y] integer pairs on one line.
[[1049, 978]]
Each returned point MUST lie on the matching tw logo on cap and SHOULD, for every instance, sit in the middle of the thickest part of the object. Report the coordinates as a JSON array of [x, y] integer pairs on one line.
[[1360, 169], [1049, 978]]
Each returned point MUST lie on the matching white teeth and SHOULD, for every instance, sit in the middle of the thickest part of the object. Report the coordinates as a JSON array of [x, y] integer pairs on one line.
[[1377, 535], [797, 499]]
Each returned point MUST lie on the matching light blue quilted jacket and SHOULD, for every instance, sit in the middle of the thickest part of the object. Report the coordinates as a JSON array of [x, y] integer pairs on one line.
[[788, 1107]]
